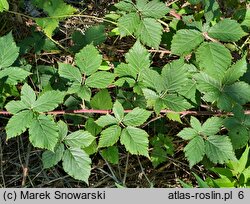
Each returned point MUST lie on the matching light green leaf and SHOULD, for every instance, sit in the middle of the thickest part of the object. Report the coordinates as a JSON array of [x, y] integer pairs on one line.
[[28, 96], [243, 160], [55, 8], [219, 149], [50, 158], [128, 24], [138, 58], [195, 150], [48, 25], [188, 133], [79, 139], [100, 80], [246, 21], [209, 86], [9, 51], [212, 126], [83, 92], [48, 101], [92, 127], [102, 100], [106, 120], [152, 79], [128, 71], [111, 154], [153, 9], [136, 117], [227, 30], [185, 40], [135, 141], [69, 72], [63, 129], [239, 92], [174, 117], [150, 96], [43, 132], [189, 90], [214, 58], [110, 136], [149, 32], [4, 5], [77, 164], [235, 71], [12, 75], [118, 110], [15, 106], [18, 123], [125, 5], [88, 59], [176, 103], [175, 75], [195, 123]]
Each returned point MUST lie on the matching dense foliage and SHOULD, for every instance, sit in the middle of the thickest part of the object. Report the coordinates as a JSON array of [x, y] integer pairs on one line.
[[206, 70]]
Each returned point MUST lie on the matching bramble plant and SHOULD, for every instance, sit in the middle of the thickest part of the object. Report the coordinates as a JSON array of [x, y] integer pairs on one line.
[[207, 73]]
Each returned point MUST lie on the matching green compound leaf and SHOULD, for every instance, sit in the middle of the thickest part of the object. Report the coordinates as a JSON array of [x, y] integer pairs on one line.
[[18, 123], [15, 106], [106, 120], [48, 25], [69, 72], [136, 117], [118, 111], [239, 136], [138, 58], [175, 75], [195, 123], [152, 79], [50, 158], [176, 103], [239, 92], [188, 133], [111, 154], [149, 32], [128, 24], [12, 75], [126, 5], [135, 141], [28, 96], [79, 139], [235, 71], [8, 52], [214, 58], [102, 100], [209, 86], [153, 9], [212, 126], [88, 59], [62, 130], [4, 5], [219, 149], [43, 132], [55, 8], [195, 150], [76, 163], [100, 80], [48, 101], [109, 136], [227, 30], [184, 41]]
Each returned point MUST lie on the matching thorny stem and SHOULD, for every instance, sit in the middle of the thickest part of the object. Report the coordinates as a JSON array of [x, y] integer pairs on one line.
[[183, 113]]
